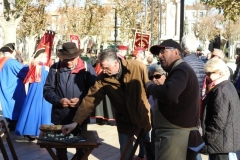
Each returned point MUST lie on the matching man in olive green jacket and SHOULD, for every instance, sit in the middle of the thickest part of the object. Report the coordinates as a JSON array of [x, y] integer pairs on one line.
[[123, 81]]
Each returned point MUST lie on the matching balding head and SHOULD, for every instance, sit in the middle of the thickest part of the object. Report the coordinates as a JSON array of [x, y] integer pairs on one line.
[[217, 53]]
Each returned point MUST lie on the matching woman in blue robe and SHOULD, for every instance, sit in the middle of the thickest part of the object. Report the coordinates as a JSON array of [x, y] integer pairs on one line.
[[36, 110]]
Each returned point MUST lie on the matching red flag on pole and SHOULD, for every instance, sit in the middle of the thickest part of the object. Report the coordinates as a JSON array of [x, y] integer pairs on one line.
[[47, 43]]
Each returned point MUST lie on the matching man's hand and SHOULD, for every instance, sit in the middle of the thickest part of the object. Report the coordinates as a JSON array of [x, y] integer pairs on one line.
[[65, 102], [69, 103], [73, 102], [68, 128]]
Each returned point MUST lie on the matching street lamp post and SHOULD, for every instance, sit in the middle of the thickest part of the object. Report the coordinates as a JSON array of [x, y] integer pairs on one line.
[[181, 20], [115, 29]]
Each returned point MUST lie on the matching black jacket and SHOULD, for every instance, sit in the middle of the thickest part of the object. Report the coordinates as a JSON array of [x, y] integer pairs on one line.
[[70, 85], [221, 119]]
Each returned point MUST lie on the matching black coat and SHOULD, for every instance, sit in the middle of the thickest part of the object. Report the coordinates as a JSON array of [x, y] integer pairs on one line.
[[221, 119]]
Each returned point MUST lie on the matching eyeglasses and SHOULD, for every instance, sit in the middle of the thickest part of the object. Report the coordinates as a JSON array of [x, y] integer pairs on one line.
[[209, 73], [156, 76], [162, 51], [215, 56]]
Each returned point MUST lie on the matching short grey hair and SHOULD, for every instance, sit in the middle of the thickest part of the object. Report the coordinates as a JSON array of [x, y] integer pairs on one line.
[[189, 43], [155, 68], [107, 54]]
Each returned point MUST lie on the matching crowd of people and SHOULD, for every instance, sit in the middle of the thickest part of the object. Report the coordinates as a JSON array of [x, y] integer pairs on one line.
[[185, 106]]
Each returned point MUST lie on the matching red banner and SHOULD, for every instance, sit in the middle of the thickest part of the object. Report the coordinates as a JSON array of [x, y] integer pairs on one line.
[[142, 40], [47, 42], [75, 39]]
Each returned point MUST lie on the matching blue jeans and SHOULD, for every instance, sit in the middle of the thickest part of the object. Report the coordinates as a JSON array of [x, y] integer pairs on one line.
[[199, 157], [123, 138]]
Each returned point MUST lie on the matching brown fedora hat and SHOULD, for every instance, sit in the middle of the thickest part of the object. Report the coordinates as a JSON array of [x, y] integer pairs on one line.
[[69, 51]]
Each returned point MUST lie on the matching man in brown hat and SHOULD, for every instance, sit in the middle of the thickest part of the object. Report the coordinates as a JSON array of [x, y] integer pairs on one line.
[[12, 90], [67, 83]]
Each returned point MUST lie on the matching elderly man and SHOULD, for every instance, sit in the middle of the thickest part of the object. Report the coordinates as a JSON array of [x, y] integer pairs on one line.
[[12, 90], [176, 110], [189, 45], [123, 81], [217, 53], [67, 83]]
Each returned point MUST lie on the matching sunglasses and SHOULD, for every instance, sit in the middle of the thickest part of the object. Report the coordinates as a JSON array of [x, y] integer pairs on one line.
[[156, 76], [209, 73]]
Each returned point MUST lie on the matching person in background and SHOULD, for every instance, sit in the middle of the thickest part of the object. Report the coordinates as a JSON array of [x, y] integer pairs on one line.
[[93, 59], [221, 112], [35, 108], [122, 51], [209, 55], [84, 57], [150, 60], [158, 76], [188, 44], [12, 90], [139, 54], [66, 85], [18, 57], [176, 118], [219, 54], [123, 81]]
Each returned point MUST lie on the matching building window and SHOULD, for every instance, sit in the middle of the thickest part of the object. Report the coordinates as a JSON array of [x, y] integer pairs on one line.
[[201, 14], [193, 14]]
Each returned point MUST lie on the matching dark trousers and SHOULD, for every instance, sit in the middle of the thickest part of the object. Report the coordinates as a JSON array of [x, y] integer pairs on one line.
[[220, 156], [11, 124], [191, 155]]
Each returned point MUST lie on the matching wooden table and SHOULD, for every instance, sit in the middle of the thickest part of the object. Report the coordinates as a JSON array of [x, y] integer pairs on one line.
[[92, 141]]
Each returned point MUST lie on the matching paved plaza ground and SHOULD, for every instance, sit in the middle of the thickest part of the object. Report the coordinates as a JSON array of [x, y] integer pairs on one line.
[[109, 150]]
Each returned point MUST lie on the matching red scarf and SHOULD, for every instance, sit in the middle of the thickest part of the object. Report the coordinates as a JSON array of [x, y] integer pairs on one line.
[[98, 68], [2, 61], [205, 90], [80, 66], [34, 73]]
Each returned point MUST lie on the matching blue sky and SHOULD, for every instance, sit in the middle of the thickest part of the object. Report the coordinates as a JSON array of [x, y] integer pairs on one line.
[[189, 1]]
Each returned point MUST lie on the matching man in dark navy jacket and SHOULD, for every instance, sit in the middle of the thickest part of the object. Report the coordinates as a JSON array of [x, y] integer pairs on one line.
[[189, 45], [67, 84]]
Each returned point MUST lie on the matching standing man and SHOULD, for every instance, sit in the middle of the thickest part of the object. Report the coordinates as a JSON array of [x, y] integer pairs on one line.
[[12, 90], [123, 81], [176, 110], [67, 83], [189, 44]]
